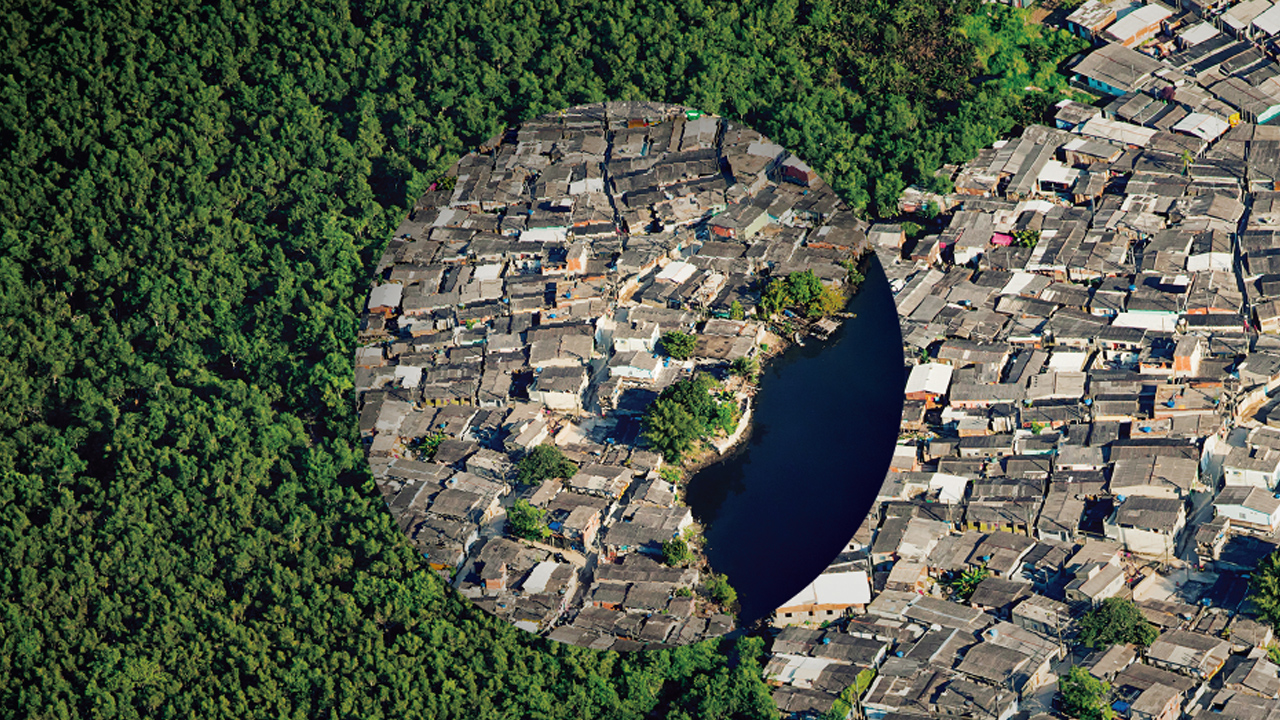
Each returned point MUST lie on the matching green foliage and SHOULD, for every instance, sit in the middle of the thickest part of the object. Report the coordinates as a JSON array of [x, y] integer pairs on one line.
[[670, 429], [745, 367], [830, 301], [855, 278], [1026, 238], [678, 345], [427, 445], [1084, 696], [844, 703], [194, 197], [802, 289], [1273, 652], [526, 521], [1116, 621], [675, 552], [930, 83], [720, 591], [964, 583], [1264, 589], [684, 413], [693, 534], [671, 474], [683, 592], [544, 462], [736, 312]]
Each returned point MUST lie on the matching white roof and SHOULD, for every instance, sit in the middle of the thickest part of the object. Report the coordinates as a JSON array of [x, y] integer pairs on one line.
[[677, 272], [386, 295], [797, 670], [951, 487], [1019, 282], [446, 215], [933, 378], [1128, 133], [1056, 172], [538, 577], [840, 588], [1160, 322], [410, 376], [1138, 20], [1039, 206], [546, 234], [1062, 361], [487, 272], [1090, 13], [1268, 23], [1239, 16], [1205, 127], [586, 185], [1197, 34]]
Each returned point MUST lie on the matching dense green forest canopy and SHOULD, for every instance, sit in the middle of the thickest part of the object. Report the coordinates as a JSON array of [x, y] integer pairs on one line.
[[190, 198]]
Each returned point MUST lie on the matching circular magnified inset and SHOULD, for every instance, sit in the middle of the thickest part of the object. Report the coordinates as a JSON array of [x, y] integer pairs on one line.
[[612, 382]]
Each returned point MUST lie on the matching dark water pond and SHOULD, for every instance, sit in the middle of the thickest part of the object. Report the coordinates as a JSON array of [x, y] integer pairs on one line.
[[782, 508]]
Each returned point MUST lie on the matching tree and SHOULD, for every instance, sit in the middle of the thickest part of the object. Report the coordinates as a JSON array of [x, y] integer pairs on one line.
[[1084, 696], [427, 445], [803, 288], [829, 302], [1264, 588], [525, 521], [684, 413], [720, 591], [735, 311], [1027, 238], [678, 345], [181, 273], [670, 429], [543, 463], [775, 297], [745, 367], [1116, 621], [856, 278], [963, 584], [675, 552], [844, 704]]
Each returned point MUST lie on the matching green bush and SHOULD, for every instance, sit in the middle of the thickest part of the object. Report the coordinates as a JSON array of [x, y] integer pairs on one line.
[[720, 591], [526, 521], [675, 552], [684, 413], [678, 345], [544, 462], [1084, 696], [1115, 621]]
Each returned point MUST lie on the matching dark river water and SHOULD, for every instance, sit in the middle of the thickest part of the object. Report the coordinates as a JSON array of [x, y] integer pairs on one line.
[[782, 508]]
